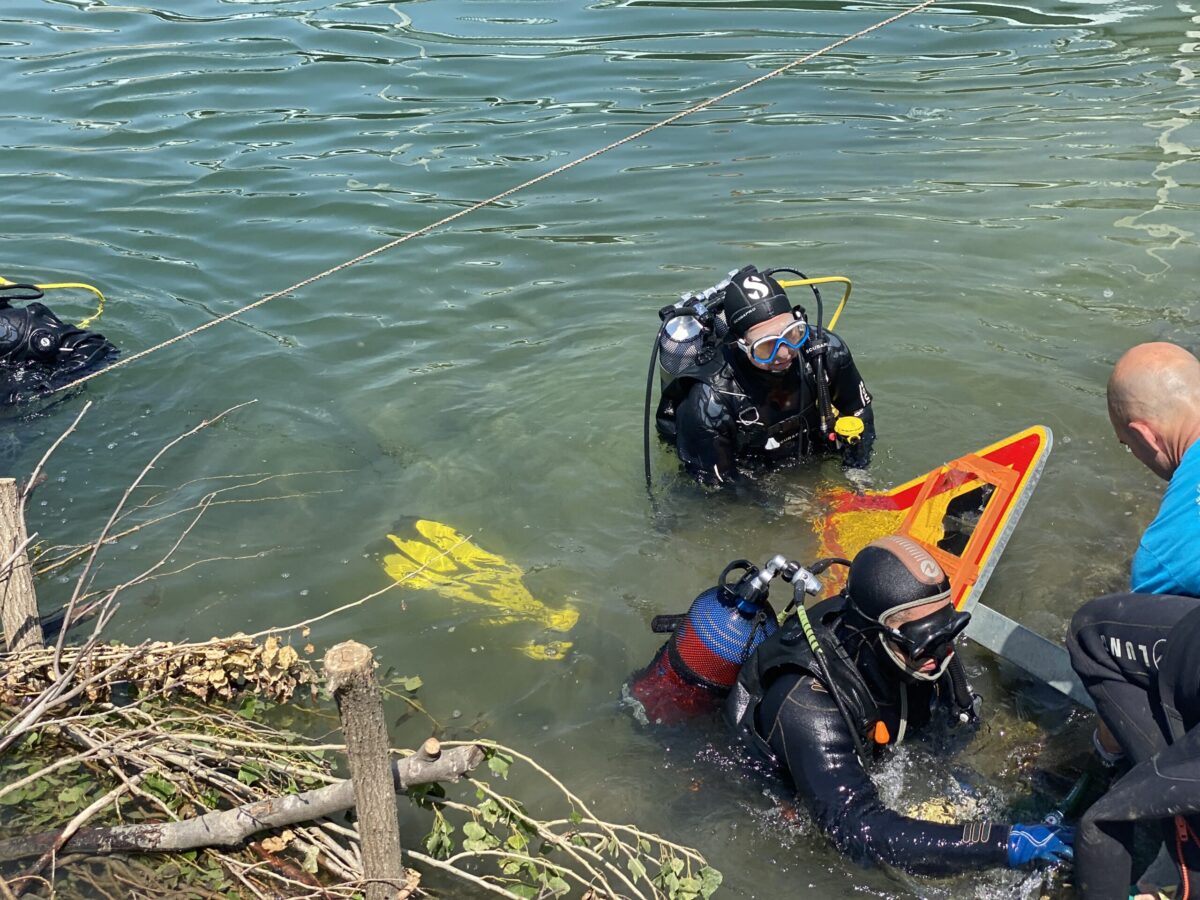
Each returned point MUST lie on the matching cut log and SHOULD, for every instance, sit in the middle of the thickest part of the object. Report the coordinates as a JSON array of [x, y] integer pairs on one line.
[[18, 602], [350, 677]]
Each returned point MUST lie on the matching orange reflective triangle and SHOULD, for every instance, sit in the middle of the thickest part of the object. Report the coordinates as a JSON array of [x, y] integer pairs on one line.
[[962, 512]]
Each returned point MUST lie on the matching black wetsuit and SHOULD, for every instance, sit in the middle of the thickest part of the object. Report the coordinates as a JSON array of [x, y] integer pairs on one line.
[[39, 352], [798, 721], [730, 411], [1139, 657]]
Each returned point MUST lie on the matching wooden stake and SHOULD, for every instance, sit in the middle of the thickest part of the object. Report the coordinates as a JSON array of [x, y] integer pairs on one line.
[[18, 602], [350, 676]]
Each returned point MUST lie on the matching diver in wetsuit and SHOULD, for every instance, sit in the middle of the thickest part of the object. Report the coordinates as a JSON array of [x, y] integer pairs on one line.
[[38, 351], [871, 666], [1138, 655], [759, 397]]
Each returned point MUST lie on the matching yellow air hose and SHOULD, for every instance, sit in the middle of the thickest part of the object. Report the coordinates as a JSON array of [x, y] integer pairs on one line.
[[828, 279], [70, 284]]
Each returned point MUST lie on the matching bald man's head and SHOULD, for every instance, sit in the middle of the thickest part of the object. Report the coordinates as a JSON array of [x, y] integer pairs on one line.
[[1154, 404]]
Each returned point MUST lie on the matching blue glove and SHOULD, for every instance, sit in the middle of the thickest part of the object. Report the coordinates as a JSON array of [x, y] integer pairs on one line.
[[1030, 843]]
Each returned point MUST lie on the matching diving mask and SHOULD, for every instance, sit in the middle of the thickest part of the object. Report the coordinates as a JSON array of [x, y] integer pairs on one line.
[[928, 638], [764, 349]]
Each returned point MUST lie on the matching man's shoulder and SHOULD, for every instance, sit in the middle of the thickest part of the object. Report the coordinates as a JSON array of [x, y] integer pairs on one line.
[[1165, 561]]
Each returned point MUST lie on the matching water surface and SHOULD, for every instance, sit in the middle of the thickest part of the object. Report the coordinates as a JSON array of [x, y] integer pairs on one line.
[[1008, 187]]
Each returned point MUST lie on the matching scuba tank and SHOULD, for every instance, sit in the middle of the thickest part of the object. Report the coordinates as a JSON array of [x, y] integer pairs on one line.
[[691, 331], [694, 670]]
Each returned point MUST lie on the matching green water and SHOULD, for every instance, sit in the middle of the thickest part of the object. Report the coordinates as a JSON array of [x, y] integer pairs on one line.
[[1013, 191]]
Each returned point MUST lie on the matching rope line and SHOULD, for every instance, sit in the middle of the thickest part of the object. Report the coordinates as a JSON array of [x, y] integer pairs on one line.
[[383, 248]]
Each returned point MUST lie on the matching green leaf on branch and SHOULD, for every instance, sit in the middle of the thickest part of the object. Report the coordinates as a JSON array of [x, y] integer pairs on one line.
[[710, 880], [517, 841], [72, 794], [491, 811], [499, 763], [439, 842], [248, 707], [478, 838], [160, 787], [250, 773]]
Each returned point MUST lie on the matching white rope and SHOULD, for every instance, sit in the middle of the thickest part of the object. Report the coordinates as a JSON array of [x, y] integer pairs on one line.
[[504, 194]]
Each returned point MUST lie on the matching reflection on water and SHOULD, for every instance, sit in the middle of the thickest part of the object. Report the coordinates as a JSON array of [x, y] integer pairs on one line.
[[1004, 184]]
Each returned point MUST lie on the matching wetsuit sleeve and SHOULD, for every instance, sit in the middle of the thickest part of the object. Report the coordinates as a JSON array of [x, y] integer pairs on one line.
[[706, 435], [849, 394], [809, 735]]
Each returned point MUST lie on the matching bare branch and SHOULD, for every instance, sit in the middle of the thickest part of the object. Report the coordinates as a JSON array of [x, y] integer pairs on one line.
[[112, 518], [228, 828], [37, 470]]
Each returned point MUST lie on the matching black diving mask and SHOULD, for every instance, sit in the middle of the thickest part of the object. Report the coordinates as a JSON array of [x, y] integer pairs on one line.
[[928, 638]]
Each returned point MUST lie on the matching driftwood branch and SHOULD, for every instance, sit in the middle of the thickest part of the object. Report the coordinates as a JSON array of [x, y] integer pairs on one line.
[[231, 827]]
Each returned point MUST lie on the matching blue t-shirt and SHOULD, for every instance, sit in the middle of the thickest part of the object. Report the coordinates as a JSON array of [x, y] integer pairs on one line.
[[1168, 558]]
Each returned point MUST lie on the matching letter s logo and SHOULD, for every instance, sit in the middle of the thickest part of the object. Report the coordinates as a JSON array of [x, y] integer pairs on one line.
[[755, 287]]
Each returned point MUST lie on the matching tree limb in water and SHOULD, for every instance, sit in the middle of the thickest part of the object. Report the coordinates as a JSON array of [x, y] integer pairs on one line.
[[231, 827]]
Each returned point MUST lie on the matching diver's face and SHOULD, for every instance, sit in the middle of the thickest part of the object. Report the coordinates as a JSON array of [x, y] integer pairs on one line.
[[928, 664], [784, 324]]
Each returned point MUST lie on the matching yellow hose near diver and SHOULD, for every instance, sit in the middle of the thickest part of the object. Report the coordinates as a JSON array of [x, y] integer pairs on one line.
[[447, 563], [828, 279], [70, 284]]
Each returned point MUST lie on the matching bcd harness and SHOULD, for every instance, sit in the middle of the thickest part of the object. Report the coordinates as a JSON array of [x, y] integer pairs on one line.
[[756, 433], [790, 650]]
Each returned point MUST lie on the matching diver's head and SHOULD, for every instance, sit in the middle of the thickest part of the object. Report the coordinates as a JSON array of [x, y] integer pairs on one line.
[[761, 320], [41, 353], [903, 593]]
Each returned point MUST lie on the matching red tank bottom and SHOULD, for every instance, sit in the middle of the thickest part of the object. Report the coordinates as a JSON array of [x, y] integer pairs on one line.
[[667, 696]]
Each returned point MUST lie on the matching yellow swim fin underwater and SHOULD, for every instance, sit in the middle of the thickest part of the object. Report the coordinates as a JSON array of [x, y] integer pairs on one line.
[[446, 562]]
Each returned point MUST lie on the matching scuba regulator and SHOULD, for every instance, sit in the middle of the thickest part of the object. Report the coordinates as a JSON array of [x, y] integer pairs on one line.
[[694, 329]]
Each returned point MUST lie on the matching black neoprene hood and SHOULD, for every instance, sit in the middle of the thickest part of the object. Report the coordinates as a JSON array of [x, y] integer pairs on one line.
[[752, 298], [892, 574]]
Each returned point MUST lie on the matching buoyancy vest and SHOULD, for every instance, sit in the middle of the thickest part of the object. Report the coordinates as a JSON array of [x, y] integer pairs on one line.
[[774, 414], [788, 651]]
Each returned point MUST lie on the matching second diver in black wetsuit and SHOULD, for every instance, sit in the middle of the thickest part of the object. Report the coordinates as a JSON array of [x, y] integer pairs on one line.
[[757, 395], [40, 353], [1138, 655], [886, 661]]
